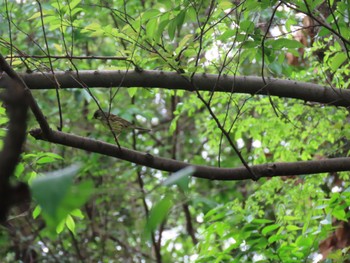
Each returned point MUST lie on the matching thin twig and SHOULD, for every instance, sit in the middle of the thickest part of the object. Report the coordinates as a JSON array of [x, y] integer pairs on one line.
[[70, 57], [57, 85]]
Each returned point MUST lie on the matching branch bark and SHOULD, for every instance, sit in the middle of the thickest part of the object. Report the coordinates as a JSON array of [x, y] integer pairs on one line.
[[206, 172], [203, 82], [16, 103]]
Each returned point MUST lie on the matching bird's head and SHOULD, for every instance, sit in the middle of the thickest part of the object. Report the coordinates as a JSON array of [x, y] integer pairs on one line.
[[98, 115]]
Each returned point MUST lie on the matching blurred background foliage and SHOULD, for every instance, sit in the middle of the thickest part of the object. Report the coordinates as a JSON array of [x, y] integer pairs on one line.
[[108, 210]]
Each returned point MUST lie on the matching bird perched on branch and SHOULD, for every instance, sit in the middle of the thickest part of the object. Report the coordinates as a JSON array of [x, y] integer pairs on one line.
[[117, 124]]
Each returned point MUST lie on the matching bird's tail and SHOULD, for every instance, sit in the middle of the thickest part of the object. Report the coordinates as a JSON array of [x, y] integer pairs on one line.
[[142, 129]]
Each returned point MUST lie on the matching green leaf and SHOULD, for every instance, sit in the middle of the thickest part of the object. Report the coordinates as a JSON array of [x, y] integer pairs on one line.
[[323, 32], [275, 238], [70, 223], [76, 197], [132, 92], [76, 10], [247, 26], [57, 197], [339, 213], [45, 160], [50, 190], [60, 226], [292, 228], [290, 218], [3, 120], [275, 67], [180, 19], [179, 175], [183, 41], [181, 178], [227, 34], [214, 215], [172, 29], [2, 110], [305, 241], [336, 256], [151, 27], [36, 211], [290, 21], [191, 13], [73, 3], [19, 169], [150, 14], [285, 43], [157, 215], [269, 228], [262, 221], [224, 5], [163, 22], [34, 16], [337, 60], [54, 155], [173, 124], [77, 213], [344, 31], [94, 29]]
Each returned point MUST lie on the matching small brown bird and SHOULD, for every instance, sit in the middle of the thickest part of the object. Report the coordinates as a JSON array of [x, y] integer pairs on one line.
[[117, 124]]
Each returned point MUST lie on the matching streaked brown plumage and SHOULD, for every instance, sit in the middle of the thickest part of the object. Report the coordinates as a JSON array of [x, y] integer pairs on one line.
[[117, 124]]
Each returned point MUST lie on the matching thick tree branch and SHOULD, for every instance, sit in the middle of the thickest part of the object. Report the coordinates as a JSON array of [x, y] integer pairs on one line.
[[206, 172], [204, 82], [16, 103]]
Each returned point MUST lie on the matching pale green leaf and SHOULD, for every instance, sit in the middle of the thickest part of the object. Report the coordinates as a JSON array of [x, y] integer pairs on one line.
[[180, 178], [60, 226], [132, 91], [36, 211], [339, 213], [74, 3], [77, 213], [34, 16], [70, 223], [292, 228], [151, 13], [337, 60]]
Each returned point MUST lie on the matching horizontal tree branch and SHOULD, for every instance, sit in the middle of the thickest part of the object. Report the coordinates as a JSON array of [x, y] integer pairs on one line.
[[206, 172], [203, 82]]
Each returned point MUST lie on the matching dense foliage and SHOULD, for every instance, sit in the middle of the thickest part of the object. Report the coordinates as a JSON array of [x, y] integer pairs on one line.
[[94, 208]]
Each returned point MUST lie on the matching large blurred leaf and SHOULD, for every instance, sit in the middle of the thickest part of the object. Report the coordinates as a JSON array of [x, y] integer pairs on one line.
[[157, 215], [181, 178], [56, 195], [49, 190]]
